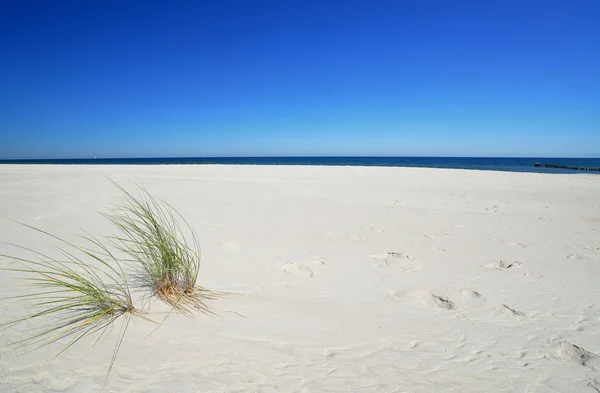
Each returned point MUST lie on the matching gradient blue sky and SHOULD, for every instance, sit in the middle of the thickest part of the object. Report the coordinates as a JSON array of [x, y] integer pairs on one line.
[[277, 78]]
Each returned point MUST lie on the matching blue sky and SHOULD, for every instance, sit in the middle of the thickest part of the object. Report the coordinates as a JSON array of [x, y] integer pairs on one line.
[[278, 78]]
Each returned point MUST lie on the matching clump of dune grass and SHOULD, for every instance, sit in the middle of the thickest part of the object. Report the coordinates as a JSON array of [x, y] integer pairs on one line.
[[165, 258], [77, 294]]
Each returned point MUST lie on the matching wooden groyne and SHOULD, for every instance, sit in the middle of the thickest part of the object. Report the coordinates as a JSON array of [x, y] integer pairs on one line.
[[575, 168]]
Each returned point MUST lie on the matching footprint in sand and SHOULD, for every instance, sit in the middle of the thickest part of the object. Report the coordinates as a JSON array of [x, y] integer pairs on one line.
[[514, 244], [567, 350], [503, 266], [532, 274], [473, 295], [396, 260], [442, 302], [511, 310], [302, 269], [422, 296]]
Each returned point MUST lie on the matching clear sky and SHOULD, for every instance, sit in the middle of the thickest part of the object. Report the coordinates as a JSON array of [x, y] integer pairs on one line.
[[125, 78]]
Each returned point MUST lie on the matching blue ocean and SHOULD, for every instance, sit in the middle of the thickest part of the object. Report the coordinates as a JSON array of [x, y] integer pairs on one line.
[[476, 163]]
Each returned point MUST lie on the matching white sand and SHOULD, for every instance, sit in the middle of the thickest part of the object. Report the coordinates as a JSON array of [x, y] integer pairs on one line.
[[346, 279]]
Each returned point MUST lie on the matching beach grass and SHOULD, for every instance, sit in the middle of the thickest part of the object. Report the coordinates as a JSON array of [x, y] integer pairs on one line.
[[81, 292], [162, 248], [84, 289]]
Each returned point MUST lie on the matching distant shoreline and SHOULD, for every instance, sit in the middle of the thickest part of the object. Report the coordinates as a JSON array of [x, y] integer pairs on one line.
[[504, 164]]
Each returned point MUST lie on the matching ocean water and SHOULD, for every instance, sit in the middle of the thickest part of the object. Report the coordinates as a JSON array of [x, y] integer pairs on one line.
[[476, 163]]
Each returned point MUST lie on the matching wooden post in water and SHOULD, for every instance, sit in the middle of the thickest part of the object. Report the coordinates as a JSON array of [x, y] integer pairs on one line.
[[575, 168]]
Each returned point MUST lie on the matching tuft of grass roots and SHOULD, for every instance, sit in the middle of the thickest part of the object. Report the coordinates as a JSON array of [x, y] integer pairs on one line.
[[165, 262], [80, 293]]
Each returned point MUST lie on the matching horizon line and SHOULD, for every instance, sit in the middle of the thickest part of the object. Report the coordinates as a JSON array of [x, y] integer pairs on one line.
[[284, 156]]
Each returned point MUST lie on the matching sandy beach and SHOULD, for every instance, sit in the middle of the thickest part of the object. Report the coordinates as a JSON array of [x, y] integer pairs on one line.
[[337, 279]]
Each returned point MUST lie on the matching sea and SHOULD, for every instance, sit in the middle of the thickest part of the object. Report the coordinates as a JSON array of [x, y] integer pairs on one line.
[[519, 164]]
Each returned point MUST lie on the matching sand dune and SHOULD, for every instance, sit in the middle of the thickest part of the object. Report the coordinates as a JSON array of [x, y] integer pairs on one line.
[[338, 279]]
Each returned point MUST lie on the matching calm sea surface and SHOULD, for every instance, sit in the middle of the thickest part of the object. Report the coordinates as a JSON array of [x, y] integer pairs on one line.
[[478, 163]]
